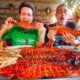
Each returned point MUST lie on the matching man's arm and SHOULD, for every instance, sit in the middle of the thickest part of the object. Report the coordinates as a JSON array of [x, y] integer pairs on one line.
[[7, 26], [41, 32], [2, 31]]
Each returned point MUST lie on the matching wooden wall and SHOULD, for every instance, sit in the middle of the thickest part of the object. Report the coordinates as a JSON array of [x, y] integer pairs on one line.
[[40, 6]]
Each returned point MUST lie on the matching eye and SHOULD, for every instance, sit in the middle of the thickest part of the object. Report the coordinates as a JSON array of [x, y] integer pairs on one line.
[[60, 11], [23, 14], [29, 14]]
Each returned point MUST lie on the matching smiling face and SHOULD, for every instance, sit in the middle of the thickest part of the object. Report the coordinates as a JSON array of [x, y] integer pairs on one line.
[[26, 14], [62, 14]]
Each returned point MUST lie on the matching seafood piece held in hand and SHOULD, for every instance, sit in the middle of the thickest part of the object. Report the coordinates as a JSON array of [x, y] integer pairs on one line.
[[26, 24], [62, 29]]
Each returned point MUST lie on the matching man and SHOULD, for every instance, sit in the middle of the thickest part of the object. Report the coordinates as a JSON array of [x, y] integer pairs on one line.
[[62, 20], [20, 35]]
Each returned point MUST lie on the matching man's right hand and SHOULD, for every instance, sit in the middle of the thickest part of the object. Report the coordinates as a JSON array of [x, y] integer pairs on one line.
[[51, 35], [9, 23]]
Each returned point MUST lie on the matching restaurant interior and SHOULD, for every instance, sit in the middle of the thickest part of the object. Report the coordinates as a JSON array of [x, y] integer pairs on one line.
[[45, 10], [46, 62]]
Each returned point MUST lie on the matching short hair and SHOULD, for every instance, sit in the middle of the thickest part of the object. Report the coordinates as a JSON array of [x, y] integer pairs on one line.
[[63, 4], [26, 4]]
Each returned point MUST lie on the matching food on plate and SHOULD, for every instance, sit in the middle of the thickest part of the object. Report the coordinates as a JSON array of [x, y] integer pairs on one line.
[[34, 62], [8, 57]]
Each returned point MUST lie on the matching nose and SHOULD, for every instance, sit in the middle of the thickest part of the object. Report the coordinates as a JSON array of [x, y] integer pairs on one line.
[[63, 13], [26, 18]]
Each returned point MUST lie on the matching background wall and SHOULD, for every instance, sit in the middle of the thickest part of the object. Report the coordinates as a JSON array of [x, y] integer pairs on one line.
[[40, 6]]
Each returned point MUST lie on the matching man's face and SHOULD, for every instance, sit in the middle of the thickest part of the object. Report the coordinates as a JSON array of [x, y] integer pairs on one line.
[[26, 14], [62, 15]]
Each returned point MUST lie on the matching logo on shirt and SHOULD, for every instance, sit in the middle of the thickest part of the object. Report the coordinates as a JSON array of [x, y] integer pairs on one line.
[[21, 41]]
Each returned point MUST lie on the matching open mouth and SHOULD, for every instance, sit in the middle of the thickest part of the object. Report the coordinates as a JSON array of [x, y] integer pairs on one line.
[[62, 18]]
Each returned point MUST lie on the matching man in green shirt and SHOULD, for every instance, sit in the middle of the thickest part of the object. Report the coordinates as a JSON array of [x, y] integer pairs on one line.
[[21, 35]]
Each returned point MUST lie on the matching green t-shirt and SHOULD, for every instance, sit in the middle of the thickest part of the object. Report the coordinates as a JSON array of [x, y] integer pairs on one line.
[[19, 37]]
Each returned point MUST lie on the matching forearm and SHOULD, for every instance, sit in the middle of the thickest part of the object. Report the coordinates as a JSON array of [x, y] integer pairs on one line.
[[41, 39], [39, 43], [42, 35], [2, 31], [49, 43]]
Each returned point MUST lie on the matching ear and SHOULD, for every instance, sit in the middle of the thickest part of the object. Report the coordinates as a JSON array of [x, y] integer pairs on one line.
[[33, 18], [19, 17]]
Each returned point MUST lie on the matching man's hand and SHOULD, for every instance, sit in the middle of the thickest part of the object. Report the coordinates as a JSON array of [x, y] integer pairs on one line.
[[51, 34], [41, 32], [69, 38], [9, 23], [40, 28]]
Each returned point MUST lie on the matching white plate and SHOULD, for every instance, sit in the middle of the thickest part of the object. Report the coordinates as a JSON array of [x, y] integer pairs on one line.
[[70, 47], [13, 47], [67, 47]]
